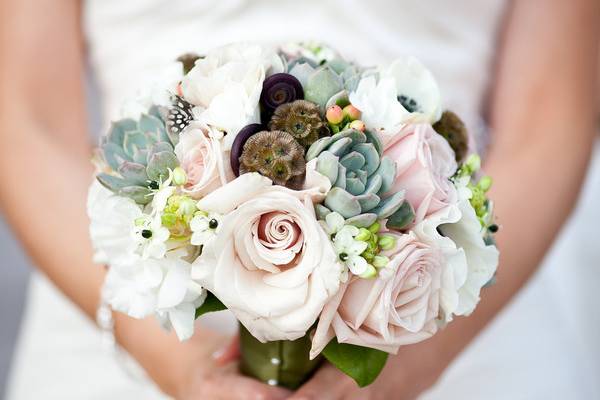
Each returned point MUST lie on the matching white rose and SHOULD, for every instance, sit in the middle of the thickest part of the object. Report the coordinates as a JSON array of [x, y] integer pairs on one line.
[[271, 263], [202, 157], [470, 263], [227, 83]]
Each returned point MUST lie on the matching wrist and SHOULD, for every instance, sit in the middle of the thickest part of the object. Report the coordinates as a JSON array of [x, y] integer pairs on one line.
[[153, 349]]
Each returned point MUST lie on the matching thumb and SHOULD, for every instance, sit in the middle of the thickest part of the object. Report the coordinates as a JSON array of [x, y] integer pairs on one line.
[[328, 383], [230, 352]]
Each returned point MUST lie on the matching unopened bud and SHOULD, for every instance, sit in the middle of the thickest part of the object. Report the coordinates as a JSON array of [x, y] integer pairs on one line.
[[358, 125], [375, 227], [473, 163], [363, 235], [179, 176], [485, 183], [351, 112], [370, 272], [334, 115], [380, 261], [387, 242]]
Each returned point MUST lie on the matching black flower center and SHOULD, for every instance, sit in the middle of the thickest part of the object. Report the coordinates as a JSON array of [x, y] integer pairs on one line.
[[213, 223], [146, 233], [153, 185], [343, 256], [409, 103]]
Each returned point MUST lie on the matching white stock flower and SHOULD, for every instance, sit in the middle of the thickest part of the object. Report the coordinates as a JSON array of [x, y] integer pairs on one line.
[[227, 84], [145, 277], [156, 287], [112, 225], [469, 262]]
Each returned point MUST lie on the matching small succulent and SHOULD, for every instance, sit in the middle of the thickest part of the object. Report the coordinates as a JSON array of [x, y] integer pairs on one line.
[[276, 155], [322, 82], [361, 177], [301, 119], [140, 156], [451, 127]]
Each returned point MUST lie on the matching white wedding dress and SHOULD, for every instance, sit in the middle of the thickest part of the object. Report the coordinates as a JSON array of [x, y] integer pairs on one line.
[[545, 345]]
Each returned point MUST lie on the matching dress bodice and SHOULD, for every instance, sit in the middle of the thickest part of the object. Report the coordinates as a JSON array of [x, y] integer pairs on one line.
[[129, 40]]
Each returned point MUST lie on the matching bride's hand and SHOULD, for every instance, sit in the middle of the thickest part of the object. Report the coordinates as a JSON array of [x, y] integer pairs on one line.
[[204, 367], [406, 375]]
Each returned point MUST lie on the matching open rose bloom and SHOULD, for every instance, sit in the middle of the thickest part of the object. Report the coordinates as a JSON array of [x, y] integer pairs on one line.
[[334, 210]]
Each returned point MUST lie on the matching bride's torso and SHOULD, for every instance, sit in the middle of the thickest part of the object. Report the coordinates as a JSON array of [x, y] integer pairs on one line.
[[129, 41]]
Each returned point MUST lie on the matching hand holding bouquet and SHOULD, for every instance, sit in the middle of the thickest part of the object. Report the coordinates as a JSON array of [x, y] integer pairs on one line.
[[331, 208]]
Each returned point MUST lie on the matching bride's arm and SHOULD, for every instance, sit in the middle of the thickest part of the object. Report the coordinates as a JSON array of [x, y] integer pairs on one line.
[[544, 119], [45, 171]]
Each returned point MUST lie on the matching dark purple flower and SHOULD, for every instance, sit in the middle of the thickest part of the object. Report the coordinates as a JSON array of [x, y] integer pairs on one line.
[[279, 89], [238, 145]]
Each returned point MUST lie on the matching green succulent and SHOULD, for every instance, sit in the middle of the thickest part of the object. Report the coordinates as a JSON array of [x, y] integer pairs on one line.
[[321, 82], [139, 154], [361, 177]]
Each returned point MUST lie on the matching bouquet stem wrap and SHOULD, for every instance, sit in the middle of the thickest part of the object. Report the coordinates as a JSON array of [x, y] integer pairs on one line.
[[283, 363]]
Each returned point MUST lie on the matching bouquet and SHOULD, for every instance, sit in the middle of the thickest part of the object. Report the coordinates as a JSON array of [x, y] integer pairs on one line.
[[334, 209]]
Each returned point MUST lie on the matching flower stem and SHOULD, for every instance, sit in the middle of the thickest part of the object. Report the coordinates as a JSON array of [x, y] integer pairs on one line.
[[283, 363]]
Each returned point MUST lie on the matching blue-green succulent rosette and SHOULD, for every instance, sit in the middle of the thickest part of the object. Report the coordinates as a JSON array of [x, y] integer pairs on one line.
[[335, 210]]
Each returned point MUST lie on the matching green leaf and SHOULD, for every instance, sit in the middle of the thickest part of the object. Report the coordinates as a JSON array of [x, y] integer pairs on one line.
[[362, 364], [211, 304]]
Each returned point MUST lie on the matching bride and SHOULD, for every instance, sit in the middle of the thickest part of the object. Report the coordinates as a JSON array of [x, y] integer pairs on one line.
[[526, 68]]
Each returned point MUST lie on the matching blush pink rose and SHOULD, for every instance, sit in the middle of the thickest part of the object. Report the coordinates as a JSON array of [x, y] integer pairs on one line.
[[398, 307], [424, 164], [201, 154], [271, 264]]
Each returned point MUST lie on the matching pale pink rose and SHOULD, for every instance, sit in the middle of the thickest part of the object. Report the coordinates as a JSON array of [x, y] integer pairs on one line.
[[398, 307], [271, 264], [424, 164], [202, 157]]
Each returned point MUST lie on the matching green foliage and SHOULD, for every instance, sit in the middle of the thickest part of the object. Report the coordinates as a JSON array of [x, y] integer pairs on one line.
[[211, 304], [362, 364]]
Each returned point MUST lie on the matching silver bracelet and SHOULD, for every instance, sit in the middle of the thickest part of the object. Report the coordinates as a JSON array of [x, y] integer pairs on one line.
[[106, 324]]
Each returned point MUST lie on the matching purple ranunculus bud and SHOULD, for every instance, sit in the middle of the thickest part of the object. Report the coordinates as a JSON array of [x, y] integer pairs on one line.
[[238, 145], [279, 89]]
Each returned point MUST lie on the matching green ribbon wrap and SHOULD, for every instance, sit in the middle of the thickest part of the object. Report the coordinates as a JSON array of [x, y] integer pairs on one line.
[[283, 363]]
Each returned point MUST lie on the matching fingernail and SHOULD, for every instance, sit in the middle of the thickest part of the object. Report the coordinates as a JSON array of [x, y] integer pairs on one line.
[[219, 353]]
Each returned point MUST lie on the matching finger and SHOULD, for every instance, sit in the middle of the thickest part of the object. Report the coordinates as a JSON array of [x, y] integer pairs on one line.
[[327, 384], [236, 387], [229, 353]]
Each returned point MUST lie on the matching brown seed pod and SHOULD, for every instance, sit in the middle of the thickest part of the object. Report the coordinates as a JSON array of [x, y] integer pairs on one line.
[[451, 127], [301, 119], [276, 155]]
